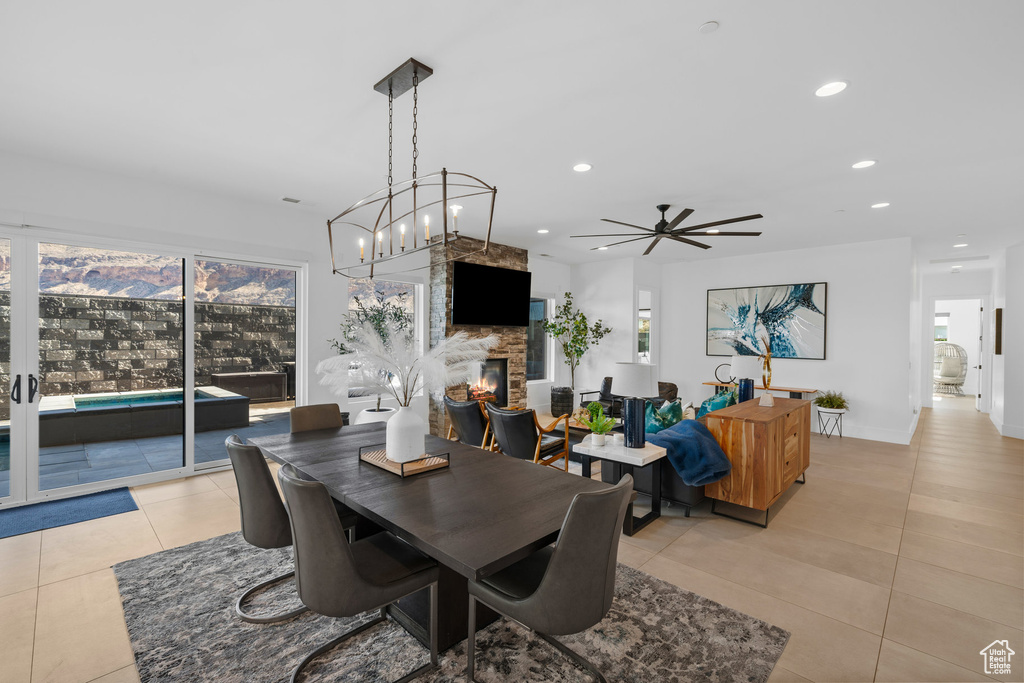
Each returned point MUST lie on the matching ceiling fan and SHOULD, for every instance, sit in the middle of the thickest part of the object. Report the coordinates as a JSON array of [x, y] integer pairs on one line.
[[668, 230]]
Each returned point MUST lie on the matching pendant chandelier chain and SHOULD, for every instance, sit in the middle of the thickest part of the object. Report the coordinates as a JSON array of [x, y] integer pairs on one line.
[[391, 122], [415, 110]]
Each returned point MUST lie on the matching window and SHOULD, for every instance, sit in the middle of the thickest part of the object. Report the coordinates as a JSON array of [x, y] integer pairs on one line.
[[380, 303], [941, 327], [643, 338], [537, 342]]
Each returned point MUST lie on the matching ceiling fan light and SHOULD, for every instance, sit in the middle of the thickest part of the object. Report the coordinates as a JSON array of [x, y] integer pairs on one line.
[[602, 248], [960, 246], [542, 231], [713, 231], [880, 205], [829, 89]]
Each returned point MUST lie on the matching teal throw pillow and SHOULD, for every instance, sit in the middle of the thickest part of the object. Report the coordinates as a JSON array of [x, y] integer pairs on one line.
[[717, 402], [656, 419]]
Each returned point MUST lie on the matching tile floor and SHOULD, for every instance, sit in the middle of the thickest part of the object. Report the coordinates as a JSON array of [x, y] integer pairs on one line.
[[893, 563]]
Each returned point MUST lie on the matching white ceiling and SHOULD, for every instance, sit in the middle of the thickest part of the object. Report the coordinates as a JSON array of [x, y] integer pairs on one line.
[[264, 100]]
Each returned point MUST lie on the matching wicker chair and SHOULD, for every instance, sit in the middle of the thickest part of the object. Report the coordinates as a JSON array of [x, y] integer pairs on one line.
[[950, 369]]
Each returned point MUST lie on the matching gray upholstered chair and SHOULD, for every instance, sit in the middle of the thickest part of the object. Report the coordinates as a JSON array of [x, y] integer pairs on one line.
[[565, 588], [318, 416], [469, 422], [341, 579], [264, 519], [520, 434]]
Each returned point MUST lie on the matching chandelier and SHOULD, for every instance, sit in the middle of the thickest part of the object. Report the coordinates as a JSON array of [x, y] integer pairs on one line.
[[394, 222]]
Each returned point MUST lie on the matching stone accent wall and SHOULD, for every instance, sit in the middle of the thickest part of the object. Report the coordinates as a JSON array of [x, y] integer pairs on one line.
[[511, 340], [92, 344]]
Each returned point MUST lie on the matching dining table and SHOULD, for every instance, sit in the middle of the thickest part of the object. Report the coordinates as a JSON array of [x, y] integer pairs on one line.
[[480, 514]]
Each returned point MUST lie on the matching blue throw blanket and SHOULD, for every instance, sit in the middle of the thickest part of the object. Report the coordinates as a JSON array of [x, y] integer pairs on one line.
[[694, 453]]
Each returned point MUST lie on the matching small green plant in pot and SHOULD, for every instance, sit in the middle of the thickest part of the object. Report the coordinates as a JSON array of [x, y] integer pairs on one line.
[[832, 401], [598, 423]]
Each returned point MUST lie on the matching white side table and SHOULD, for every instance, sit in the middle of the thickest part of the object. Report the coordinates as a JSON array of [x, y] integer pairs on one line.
[[631, 458]]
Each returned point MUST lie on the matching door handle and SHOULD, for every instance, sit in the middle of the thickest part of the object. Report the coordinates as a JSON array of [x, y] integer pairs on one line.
[[33, 387], [16, 390]]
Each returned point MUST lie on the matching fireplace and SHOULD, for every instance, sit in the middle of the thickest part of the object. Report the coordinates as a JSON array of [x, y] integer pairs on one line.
[[490, 382]]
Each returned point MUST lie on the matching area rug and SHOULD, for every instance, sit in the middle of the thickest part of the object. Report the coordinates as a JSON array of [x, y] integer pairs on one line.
[[179, 608], [51, 513]]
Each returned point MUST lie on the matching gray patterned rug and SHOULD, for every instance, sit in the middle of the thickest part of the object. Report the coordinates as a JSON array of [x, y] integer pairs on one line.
[[178, 606]]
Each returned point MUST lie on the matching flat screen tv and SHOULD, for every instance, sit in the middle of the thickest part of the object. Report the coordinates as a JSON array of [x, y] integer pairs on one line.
[[490, 296]]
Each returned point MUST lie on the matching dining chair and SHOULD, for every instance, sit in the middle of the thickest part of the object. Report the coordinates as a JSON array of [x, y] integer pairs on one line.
[[264, 519], [469, 423], [520, 434], [565, 588], [318, 416], [337, 578]]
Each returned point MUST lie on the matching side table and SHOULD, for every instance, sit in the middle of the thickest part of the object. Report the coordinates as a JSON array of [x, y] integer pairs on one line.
[[630, 458]]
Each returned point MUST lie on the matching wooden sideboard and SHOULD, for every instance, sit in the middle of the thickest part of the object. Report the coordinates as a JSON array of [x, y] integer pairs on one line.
[[768, 446]]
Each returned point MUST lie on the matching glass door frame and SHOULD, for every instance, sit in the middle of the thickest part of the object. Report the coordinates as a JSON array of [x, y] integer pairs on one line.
[[25, 338]]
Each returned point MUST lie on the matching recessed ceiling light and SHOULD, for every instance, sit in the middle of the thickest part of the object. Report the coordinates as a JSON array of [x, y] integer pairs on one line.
[[582, 168], [958, 246], [864, 164], [542, 232], [880, 205], [713, 231], [708, 27], [832, 88], [957, 267], [602, 248]]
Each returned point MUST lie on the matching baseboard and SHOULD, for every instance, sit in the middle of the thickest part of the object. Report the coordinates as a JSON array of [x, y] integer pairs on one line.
[[874, 434], [1012, 431]]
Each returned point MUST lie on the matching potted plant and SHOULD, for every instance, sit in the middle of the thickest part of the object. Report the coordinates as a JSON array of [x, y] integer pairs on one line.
[[388, 361], [575, 335], [832, 402], [384, 314], [597, 422]]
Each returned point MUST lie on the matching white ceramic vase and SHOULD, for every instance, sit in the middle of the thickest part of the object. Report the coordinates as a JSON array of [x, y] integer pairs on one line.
[[373, 415], [598, 439], [406, 431]]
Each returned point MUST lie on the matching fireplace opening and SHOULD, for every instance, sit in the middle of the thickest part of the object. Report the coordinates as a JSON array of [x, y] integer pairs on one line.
[[490, 382]]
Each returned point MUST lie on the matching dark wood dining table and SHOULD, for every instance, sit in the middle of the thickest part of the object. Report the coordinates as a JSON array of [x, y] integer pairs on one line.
[[482, 513]]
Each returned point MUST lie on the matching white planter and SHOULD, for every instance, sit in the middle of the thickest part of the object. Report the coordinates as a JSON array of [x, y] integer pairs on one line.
[[598, 439], [406, 432], [373, 415], [832, 411]]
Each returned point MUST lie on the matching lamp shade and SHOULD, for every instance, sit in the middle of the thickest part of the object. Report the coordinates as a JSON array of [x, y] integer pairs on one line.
[[745, 367], [635, 379]]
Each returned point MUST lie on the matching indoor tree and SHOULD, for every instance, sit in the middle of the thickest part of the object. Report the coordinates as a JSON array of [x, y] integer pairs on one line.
[[574, 334]]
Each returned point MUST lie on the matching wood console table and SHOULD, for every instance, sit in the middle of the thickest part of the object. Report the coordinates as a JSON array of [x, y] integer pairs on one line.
[[794, 392], [768, 446]]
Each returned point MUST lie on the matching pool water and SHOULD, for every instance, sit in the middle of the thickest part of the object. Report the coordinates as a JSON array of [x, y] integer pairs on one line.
[[133, 399]]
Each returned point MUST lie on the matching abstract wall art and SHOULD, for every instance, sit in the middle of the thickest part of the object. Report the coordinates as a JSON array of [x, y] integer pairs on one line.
[[792, 316]]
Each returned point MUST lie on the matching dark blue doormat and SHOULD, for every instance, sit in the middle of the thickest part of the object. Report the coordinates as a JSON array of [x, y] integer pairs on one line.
[[53, 513]]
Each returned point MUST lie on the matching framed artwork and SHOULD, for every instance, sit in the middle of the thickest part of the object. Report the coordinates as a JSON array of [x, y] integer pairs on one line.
[[791, 316]]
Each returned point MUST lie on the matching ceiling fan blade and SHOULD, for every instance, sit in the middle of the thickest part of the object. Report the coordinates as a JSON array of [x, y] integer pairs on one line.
[[716, 234], [679, 219], [654, 243], [612, 234], [725, 222], [628, 225], [690, 242], [642, 237]]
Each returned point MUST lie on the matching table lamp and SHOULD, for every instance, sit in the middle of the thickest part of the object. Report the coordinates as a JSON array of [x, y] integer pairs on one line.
[[635, 382]]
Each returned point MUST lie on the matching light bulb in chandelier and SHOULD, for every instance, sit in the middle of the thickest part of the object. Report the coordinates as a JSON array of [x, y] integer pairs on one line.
[[401, 229], [455, 217]]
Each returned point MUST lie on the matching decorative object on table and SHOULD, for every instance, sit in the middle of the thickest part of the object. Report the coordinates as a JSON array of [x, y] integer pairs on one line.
[[637, 382], [598, 423], [375, 455], [377, 414], [575, 335], [766, 374], [831, 405], [949, 369], [392, 363], [619, 440], [392, 222], [717, 402], [657, 418], [746, 390], [792, 316], [665, 229], [172, 594]]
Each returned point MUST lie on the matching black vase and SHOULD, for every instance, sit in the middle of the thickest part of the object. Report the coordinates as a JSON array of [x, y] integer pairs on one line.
[[561, 401], [746, 390], [633, 422]]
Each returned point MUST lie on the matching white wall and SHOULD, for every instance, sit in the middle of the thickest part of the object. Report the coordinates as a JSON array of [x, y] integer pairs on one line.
[[605, 290], [549, 280], [964, 331], [84, 203], [868, 330]]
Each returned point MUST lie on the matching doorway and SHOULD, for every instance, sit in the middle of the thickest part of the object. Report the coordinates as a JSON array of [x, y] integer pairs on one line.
[[957, 380]]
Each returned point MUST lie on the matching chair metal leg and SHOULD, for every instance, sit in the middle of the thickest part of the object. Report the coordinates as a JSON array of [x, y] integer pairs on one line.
[[574, 656], [471, 640], [273, 618], [332, 644], [433, 640]]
